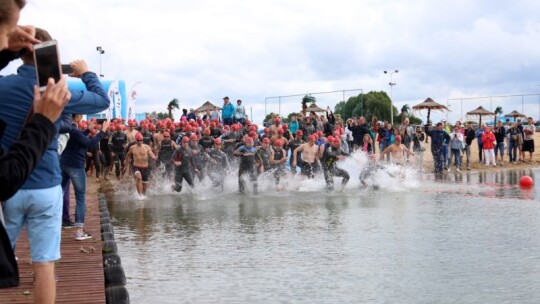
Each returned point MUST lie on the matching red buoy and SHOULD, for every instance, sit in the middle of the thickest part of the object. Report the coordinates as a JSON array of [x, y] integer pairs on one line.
[[526, 181]]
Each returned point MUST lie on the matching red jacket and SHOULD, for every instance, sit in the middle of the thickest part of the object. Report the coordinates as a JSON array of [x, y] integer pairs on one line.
[[487, 140]]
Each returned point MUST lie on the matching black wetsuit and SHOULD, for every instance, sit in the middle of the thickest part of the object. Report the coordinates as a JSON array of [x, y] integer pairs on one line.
[[263, 156], [279, 169], [206, 143], [184, 171], [247, 166], [118, 147], [148, 138], [217, 167], [164, 157], [198, 159], [105, 156], [330, 169], [293, 144]]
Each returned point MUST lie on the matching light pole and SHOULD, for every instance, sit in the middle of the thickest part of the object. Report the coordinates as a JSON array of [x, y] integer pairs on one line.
[[391, 84], [101, 51]]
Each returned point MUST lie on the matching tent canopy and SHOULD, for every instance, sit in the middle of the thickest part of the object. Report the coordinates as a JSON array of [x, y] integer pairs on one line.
[[313, 107], [206, 106], [515, 114], [430, 104]]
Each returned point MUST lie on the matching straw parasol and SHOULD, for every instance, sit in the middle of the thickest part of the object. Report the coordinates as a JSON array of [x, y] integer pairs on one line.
[[313, 107], [515, 114], [429, 104], [480, 111], [206, 106]]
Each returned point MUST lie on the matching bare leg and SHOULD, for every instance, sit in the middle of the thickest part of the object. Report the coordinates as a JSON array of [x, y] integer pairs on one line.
[[45, 288], [144, 188], [139, 183]]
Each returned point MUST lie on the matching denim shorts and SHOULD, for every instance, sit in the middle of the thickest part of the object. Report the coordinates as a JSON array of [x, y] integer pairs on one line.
[[41, 211]]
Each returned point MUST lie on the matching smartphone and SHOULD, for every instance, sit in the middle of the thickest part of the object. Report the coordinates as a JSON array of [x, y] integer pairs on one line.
[[66, 69], [101, 120], [47, 63]]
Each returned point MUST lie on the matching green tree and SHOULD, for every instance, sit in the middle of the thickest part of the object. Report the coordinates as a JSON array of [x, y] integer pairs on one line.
[[367, 105], [173, 104], [305, 100], [405, 111], [289, 117], [157, 115]]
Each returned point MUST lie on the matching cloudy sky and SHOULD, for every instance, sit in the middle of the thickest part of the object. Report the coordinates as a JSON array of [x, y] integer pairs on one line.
[[250, 50]]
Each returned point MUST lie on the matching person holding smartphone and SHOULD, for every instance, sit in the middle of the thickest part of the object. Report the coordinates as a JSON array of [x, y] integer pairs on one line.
[[38, 204], [33, 139]]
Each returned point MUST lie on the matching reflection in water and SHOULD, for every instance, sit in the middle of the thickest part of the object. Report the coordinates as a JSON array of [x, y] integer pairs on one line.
[[461, 237]]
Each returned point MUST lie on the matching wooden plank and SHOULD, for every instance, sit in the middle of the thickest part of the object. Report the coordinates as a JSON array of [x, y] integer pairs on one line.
[[80, 275]]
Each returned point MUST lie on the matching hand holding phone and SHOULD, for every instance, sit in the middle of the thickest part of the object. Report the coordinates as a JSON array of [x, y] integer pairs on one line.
[[79, 67], [47, 63]]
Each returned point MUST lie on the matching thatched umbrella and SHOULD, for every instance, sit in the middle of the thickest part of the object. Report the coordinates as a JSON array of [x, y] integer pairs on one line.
[[515, 114], [480, 111], [206, 106], [313, 107], [430, 104]]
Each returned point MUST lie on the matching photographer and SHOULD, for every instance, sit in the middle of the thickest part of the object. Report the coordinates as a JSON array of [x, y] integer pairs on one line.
[[40, 198], [37, 131]]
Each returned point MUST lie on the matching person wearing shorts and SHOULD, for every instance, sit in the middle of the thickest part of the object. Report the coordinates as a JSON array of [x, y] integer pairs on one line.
[[528, 138], [140, 153], [38, 205]]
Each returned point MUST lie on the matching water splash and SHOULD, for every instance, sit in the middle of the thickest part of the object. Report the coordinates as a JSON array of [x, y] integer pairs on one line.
[[388, 177]]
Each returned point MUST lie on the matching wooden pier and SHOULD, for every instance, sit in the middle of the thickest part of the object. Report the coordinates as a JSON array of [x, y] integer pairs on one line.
[[79, 271]]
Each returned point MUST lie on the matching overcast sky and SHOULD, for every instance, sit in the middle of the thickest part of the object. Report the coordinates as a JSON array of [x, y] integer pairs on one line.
[[204, 50]]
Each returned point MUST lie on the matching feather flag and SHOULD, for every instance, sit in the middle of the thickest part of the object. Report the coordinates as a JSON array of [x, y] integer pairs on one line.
[[111, 93], [131, 102], [131, 105], [117, 101]]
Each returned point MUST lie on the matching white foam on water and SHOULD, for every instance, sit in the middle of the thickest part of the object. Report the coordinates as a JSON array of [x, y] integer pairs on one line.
[[389, 177]]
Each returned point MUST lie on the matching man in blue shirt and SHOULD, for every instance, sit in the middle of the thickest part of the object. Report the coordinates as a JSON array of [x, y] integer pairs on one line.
[[38, 204], [227, 112], [438, 138]]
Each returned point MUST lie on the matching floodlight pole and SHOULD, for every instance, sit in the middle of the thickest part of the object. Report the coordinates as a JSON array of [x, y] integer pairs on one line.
[[391, 84], [101, 51]]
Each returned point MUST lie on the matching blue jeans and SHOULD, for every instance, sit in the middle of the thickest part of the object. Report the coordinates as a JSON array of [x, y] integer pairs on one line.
[[499, 148], [227, 121], [438, 158], [78, 179], [445, 156], [456, 154], [512, 151]]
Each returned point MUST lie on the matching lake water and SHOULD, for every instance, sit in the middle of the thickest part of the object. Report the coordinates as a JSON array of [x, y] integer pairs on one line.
[[465, 238]]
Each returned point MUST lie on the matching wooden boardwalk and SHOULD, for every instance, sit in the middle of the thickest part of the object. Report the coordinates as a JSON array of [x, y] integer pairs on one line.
[[80, 274]]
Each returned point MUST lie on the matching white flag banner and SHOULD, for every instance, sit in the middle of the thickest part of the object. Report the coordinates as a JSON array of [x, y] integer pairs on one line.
[[111, 94], [117, 101], [131, 104]]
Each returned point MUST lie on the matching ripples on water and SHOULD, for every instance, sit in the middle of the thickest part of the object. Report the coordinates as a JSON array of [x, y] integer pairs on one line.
[[469, 238]]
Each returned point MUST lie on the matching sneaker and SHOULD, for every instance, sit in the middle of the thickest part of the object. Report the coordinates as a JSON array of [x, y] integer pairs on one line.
[[81, 236], [448, 169], [67, 224], [457, 170], [468, 168]]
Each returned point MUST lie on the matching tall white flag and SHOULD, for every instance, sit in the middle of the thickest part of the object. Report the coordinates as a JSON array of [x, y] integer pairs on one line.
[[111, 93], [131, 102], [117, 101]]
